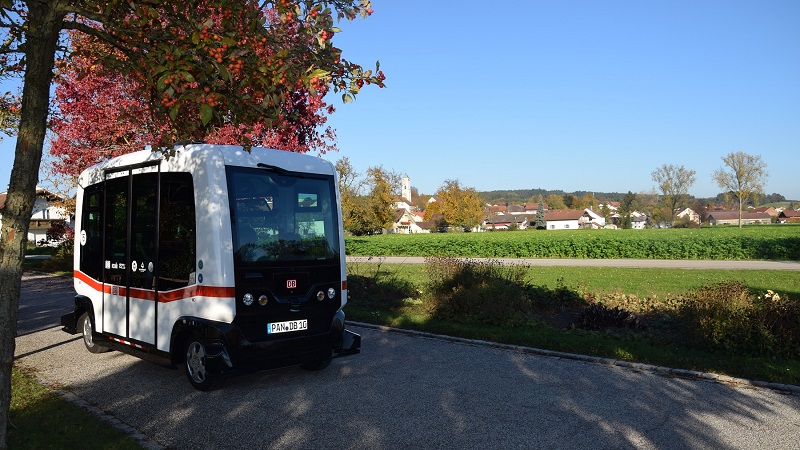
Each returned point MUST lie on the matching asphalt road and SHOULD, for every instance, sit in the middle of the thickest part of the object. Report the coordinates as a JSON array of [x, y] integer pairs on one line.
[[405, 391]]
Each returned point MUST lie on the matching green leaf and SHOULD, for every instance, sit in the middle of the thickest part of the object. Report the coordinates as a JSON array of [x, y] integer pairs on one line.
[[195, 38], [173, 112], [206, 113]]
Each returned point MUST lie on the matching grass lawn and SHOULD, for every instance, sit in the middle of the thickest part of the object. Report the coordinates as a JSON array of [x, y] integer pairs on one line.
[[41, 419]]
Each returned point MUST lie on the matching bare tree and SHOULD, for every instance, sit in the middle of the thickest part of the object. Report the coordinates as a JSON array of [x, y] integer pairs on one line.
[[743, 176], [674, 183]]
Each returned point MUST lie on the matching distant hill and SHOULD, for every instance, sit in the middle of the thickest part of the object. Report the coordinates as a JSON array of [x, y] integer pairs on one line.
[[501, 197], [523, 195]]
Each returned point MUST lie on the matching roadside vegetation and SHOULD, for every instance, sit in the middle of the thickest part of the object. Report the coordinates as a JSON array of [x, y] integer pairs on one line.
[[41, 419], [765, 242], [739, 323]]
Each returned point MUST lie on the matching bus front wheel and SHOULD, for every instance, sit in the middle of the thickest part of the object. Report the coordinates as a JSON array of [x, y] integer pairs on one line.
[[85, 323], [195, 363]]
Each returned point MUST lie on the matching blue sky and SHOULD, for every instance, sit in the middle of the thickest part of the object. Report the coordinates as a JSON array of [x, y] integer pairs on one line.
[[571, 95]]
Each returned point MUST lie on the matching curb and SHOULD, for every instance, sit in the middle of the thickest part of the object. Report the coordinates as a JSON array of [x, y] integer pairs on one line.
[[661, 370]]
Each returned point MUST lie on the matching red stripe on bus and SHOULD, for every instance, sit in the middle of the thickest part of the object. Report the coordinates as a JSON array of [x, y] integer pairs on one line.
[[196, 291], [163, 297]]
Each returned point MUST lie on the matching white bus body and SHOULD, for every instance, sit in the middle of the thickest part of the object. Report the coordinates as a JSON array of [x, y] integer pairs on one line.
[[215, 258]]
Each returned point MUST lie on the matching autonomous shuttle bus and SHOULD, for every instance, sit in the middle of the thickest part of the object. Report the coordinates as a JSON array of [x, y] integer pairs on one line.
[[216, 258]]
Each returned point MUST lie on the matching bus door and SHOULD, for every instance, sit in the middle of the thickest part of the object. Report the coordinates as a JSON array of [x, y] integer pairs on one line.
[[131, 235]]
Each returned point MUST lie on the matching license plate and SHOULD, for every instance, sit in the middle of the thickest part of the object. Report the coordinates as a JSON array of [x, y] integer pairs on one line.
[[287, 327]]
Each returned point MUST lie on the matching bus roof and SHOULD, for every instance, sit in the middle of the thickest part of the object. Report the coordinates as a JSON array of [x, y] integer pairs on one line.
[[189, 158]]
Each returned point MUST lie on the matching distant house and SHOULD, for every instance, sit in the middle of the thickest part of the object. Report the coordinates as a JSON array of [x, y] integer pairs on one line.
[[769, 210], [43, 215], [789, 216], [505, 222], [595, 220], [689, 214], [406, 222], [515, 209], [564, 219], [497, 209], [732, 218], [401, 203], [638, 221]]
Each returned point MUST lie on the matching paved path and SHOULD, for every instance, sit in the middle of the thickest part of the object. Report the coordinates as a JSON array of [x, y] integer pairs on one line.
[[635, 263]]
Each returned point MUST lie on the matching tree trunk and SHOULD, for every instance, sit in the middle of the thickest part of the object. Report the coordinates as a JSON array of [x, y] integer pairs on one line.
[[44, 26], [741, 199]]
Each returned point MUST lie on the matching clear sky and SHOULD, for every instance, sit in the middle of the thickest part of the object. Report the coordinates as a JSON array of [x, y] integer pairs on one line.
[[572, 95]]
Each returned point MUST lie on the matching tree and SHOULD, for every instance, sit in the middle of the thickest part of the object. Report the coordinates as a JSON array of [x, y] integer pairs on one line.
[[366, 201], [203, 64], [354, 211], [461, 207], [674, 183], [605, 211], [555, 201], [626, 207], [9, 113], [571, 201], [743, 176], [102, 114], [380, 198], [541, 223]]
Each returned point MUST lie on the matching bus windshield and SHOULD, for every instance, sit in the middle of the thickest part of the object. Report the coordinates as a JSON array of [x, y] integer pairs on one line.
[[282, 216]]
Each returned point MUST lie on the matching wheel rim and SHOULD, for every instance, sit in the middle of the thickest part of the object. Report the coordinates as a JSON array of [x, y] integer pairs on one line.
[[87, 332], [196, 362]]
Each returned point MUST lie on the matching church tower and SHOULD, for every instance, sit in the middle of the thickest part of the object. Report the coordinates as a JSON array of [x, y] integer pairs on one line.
[[405, 192]]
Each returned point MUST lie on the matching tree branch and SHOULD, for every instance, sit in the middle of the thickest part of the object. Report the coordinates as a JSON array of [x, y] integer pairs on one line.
[[98, 33]]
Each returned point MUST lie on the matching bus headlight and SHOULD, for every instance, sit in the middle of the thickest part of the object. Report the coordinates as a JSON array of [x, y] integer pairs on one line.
[[331, 293], [248, 299], [320, 296], [262, 300]]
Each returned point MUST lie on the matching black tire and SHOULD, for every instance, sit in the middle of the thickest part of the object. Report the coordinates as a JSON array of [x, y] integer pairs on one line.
[[87, 328], [319, 363], [194, 364]]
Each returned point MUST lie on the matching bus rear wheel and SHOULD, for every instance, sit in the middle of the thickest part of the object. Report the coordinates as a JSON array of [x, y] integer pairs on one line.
[[85, 323], [196, 368]]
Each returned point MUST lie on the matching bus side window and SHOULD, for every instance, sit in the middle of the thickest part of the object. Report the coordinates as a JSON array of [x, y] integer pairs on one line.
[[91, 260], [116, 226], [176, 257], [143, 230]]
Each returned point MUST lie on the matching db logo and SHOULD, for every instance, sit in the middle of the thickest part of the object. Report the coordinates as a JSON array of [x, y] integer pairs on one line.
[[291, 284]]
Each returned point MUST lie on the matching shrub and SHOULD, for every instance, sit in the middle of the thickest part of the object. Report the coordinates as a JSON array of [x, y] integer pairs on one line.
[[469, 291], [369, 286], [727, 315], [599, 317]]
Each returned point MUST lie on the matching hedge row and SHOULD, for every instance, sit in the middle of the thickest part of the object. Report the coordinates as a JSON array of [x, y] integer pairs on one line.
[[766, 242]]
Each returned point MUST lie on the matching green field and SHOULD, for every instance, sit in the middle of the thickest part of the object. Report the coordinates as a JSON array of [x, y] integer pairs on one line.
[[766, 242]]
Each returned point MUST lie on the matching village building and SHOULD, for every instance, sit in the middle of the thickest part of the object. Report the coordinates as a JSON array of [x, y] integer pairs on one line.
[[732, 218], [44, 214]]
